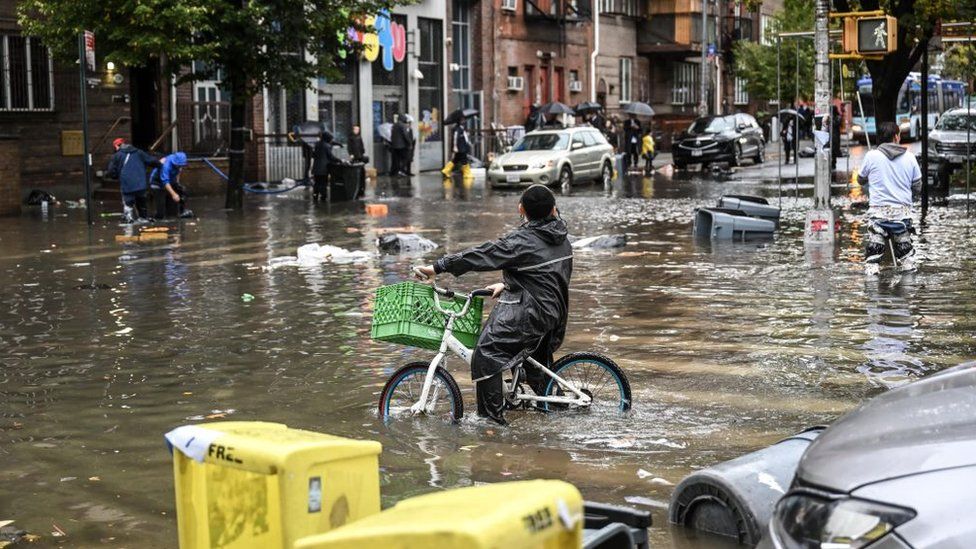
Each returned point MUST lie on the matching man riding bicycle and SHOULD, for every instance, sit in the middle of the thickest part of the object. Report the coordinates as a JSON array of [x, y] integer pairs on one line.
[[529, 319]]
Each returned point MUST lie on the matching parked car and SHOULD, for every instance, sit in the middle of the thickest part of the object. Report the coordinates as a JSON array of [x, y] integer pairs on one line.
[[554, 156], [731, 138], [898, 472], [953, 141]]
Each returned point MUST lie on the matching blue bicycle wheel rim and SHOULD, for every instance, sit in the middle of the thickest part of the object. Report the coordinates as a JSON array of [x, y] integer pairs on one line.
[[616, 378]]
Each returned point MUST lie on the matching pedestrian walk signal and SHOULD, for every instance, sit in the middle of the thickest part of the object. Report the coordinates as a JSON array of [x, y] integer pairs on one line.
[[876, 35]]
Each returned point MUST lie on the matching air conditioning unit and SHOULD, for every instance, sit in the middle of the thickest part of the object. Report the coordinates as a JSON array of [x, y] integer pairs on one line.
[[509, 5], [516, 83], [575, 86]]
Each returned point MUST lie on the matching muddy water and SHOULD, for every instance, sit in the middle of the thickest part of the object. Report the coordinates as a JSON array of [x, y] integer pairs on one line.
[[729, 347]]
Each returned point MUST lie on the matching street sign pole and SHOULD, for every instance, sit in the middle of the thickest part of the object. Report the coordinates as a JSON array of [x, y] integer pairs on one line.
[[819, 226], [86, 42], [703, 85]]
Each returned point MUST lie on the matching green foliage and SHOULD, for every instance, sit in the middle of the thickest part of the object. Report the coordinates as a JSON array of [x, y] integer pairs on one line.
[[256, 42], [756, 63], [959, 62]]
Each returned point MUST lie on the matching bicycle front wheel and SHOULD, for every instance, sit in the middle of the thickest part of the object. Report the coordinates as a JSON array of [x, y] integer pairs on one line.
[[404, 389], [595, 376]]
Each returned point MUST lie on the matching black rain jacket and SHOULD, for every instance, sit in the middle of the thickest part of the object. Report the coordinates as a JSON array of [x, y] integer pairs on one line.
[[530, 316]]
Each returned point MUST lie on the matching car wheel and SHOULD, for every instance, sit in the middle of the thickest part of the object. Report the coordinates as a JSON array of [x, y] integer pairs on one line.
[[606, 174], [736, 155], [761, 154], [566, 177]]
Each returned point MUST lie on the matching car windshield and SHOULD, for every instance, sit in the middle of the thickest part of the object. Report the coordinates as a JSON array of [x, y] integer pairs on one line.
[[710, 125], [543, 142], [957, 122]]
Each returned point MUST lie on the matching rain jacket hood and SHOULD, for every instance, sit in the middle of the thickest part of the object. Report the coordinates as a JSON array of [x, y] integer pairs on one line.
[[530, 316], [892, 150]]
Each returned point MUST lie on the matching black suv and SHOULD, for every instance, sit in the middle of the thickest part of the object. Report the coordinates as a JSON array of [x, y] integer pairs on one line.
[[730, 138]]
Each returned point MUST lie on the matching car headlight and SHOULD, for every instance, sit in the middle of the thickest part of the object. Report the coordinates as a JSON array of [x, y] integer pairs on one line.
[[494, 165], [540, 165], [806, 521], [857, 128]]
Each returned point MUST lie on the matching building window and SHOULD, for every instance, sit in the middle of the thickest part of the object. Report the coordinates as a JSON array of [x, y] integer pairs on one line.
[[629, 8], [625, 79], [684, 84], [28, 83], [741, 94], [765, 30], [461, 28], [430, 92], [574, 76]]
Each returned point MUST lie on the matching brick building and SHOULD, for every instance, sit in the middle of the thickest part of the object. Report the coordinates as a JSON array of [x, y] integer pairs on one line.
[[672, 38], [510, 54]]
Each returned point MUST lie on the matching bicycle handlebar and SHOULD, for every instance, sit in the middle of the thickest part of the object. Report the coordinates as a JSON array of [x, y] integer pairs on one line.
[[451, 294]]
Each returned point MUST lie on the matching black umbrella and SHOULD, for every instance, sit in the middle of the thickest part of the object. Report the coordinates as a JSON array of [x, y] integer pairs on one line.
[[455, 116], [556, 108], [587, 106], [637, 108], [791, 112]]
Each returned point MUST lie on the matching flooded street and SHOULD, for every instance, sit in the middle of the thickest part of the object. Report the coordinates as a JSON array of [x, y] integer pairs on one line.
[[729, 347]]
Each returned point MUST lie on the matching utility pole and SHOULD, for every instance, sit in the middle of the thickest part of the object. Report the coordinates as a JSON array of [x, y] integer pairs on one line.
[[819, 227], [702, 99], [924, 43], [83, 47]]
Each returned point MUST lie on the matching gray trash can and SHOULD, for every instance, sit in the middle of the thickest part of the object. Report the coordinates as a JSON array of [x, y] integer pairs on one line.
[[752, 205], [736, 498], [726, 224]]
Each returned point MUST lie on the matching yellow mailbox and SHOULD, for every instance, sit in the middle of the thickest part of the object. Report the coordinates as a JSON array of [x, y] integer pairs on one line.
[[263, 485]]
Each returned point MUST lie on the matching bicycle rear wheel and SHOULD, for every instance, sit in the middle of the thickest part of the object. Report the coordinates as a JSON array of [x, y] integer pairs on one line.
[[594, 375], [405, 386]]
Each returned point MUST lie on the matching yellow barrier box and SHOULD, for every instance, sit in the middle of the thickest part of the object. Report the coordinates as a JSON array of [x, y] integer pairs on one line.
[[535, 514], [264, 485]]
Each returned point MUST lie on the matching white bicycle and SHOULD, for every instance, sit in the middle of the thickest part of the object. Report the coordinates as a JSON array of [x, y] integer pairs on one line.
[[577, 381]]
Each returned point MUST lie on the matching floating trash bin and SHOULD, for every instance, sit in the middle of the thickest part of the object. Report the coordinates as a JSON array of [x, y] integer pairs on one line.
[[346, 181], [254, 484], [752, 205], [543, 514], [726, 224], [736, 498]]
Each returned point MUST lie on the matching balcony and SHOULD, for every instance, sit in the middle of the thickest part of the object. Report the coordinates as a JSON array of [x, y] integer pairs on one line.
[[558, 11]]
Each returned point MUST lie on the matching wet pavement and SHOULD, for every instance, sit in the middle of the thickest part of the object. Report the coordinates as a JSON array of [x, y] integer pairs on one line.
[[729, 346]]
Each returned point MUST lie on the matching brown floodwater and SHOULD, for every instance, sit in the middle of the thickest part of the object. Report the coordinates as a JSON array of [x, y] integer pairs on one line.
[[729, 346]]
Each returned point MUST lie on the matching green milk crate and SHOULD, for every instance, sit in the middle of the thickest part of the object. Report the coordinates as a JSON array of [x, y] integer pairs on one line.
[[404, 313]]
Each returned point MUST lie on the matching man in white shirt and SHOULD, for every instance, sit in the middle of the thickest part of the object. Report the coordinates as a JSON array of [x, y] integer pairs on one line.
[[892, 176]]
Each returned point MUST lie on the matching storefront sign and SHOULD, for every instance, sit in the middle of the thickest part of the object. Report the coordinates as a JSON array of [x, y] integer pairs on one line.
[[389, 39]]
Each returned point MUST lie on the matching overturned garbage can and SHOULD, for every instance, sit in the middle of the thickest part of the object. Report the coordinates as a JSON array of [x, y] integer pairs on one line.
[[346, 181], [727, 224], [255, 484], [736, 498], [750, 205], [543, 514]]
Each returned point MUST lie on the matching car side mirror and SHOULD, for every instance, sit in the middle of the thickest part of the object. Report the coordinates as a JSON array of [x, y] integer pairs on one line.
[[508, 149], [577, 145]]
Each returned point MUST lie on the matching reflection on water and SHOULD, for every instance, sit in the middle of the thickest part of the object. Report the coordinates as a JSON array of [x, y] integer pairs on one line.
[[729, 346]]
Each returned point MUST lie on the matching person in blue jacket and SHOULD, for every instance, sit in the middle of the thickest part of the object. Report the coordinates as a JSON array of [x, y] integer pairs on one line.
[[129, 166], [168, 193]]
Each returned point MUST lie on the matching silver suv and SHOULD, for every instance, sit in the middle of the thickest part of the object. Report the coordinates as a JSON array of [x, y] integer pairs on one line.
[[897, 473], [954, 138], [555, 156]]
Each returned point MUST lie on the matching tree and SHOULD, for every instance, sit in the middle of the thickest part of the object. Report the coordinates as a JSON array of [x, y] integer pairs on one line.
[[256, 43], [756, 63], [917, 20], [959, 62]]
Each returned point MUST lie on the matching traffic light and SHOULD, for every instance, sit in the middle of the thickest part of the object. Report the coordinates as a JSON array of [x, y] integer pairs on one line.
[[877, 35]]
